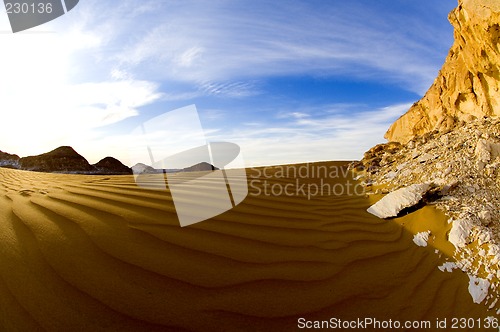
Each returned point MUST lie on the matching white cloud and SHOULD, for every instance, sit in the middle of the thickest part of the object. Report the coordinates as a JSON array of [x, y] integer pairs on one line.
[[335, 136], [42, 107], [229, 89], [228, 41], [189, 57], [336, 132]]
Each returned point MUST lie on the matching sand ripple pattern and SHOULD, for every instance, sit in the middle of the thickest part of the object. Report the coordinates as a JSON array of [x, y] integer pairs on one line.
[[98, 253]]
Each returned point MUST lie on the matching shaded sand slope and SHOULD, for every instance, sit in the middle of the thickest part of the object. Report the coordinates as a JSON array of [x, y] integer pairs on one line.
[[98, 253]]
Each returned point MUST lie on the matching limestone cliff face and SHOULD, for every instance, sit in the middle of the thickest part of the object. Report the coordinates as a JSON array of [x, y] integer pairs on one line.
[[468, 84]]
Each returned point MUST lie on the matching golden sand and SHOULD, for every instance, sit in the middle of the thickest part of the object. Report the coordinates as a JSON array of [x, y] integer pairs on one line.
[[99, 253]]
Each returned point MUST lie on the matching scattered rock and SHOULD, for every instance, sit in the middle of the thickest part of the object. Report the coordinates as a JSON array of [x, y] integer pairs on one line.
[[426, 157], [421, 238], [459, 234], [390, 205], [448, 267], [486, 151], [478, 288]]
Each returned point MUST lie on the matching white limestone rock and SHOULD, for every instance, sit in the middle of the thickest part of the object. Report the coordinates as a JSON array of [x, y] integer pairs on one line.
[[478, 288], [421, 238], [448, 266], [394, 202], [459, 232]]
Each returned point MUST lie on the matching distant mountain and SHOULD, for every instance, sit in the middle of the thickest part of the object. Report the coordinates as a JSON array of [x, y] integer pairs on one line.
[[141, 168], [110, 165], [204, 166], [63, 159]]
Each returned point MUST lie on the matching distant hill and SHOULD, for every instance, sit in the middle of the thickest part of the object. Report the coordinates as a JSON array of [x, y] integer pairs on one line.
[[110, 165], [141, 168], [200, 167], [63, 159]]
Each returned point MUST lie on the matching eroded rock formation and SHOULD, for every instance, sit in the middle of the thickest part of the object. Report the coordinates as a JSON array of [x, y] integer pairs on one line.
[[468, 84]]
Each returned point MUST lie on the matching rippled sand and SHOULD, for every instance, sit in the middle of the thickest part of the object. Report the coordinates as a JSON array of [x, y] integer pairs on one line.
[[99, 253]]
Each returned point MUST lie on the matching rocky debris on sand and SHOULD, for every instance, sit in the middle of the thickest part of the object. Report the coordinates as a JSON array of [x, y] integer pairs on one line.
[[478, 288], [465, 176], [451, 139], [465, 170]]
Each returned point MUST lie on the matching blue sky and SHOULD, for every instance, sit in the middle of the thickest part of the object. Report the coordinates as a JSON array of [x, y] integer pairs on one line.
[[289, 81]]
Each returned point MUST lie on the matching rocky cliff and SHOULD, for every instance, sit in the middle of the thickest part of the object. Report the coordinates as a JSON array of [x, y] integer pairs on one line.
[[468, 85]]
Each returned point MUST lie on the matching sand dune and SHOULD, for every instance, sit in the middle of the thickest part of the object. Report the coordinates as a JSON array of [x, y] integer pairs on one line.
[[99, 253]]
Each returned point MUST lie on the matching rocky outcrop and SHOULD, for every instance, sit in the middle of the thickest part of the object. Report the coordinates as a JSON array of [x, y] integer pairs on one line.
[[63, 159], [9, 160], [110, 165], [468, 85]]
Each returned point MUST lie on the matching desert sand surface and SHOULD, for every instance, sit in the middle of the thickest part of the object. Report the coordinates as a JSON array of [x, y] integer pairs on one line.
[[99, 253]]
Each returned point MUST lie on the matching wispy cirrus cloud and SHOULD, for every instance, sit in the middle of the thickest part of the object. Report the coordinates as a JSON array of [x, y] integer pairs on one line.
[[232, 41]]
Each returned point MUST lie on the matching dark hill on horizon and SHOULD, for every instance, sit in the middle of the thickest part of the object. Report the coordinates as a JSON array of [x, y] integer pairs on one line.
[[110, 165], [65, 159], [203, 166]]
